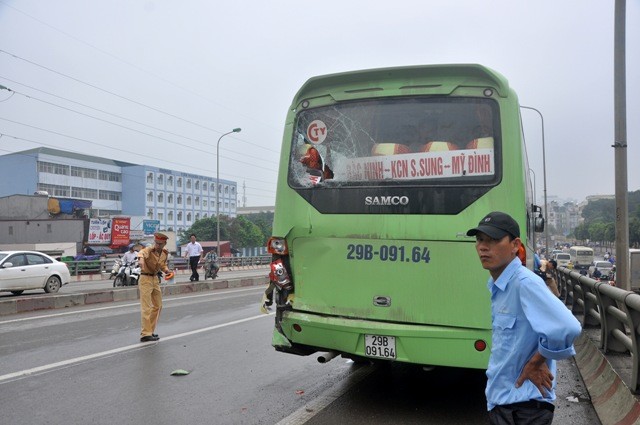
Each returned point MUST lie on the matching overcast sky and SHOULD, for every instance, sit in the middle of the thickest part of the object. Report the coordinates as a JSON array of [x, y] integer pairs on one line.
[[158, 82]]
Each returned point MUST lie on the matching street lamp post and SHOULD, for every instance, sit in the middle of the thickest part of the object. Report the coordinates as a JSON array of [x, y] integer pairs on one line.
[[534, 200], [235, 130], [544, 179]]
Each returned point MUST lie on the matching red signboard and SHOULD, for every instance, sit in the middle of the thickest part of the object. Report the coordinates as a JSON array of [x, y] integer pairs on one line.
[[120, 231]]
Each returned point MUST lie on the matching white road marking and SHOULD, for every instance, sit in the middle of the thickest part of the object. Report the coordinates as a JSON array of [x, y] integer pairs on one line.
[[164, 300], [68, 362]]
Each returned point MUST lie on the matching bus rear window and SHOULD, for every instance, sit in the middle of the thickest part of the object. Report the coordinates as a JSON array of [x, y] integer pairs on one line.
[[397, 141]]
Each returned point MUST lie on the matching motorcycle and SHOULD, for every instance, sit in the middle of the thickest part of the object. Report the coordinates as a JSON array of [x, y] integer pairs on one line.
[[117, 264], [128, 275], [211, 269]]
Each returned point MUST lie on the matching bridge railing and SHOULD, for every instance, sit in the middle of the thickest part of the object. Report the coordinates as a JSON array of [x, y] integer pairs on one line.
[[104, 265], [614, 311]]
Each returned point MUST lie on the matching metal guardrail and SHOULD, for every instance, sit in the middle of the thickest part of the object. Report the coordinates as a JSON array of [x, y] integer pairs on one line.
[[614, 310], [177, 263]]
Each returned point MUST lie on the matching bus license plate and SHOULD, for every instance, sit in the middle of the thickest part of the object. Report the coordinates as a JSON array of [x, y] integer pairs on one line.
[[379, 346]]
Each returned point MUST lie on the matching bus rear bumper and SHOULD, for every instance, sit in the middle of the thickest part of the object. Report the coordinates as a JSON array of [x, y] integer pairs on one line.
[[305, 333]]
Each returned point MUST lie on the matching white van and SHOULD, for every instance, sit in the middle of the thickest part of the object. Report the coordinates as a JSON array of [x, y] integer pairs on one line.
[[581, 257], [562, 258]]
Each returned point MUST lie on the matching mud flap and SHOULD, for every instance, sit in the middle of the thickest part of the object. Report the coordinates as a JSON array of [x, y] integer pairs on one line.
[[279, 340]]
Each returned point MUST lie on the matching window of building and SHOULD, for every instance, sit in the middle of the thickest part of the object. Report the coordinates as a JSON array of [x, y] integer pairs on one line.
[[149, 196], [197, 216], [10, 230], [86, 173], [113, 177], [150, 178], [83, 192], [179, 199], [160, 197], [179, 215], [150, 214], [170, 181], [226, 190], [54, 189], [52, 168], [205, 215], [188, 184], [204, 203], [233, 190], [161, 216], [170, 229], [233, 205], [197, 201], [204, 186], [170, 216], [189, 217], [170, 198], [188, 201], [179, 182], [110, 195], [226, 205], [197, 184], [48, 227], [160, 179]]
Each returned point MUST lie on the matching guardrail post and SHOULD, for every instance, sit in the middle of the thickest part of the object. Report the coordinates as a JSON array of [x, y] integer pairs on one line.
[[631, 306], [591, 315], [615, 320]]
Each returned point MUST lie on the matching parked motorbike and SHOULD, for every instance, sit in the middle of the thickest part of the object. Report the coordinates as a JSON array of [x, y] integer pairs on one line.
[[211, 269], [117, 264], [128, 275]]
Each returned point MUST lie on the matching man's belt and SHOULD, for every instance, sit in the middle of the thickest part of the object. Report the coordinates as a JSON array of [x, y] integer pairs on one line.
[[149, 274]]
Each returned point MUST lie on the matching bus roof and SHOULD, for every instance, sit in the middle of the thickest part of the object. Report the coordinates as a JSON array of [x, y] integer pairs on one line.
[[424, 79]]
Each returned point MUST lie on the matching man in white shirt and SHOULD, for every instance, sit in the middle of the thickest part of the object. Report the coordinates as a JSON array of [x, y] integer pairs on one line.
[[194, 254], [130, 256]]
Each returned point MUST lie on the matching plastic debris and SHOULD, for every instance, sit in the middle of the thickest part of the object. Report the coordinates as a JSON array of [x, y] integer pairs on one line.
[[299, 392], [180, 372], [573, 399]]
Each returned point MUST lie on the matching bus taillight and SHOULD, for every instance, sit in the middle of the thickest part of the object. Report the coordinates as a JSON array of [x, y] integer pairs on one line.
[[277, 246], [279, 275], [480, 345]]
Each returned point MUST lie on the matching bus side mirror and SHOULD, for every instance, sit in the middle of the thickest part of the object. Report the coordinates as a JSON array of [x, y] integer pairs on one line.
[[538, 224]]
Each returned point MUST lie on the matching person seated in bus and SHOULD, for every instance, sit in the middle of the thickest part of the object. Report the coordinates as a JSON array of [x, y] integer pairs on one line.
[[311, 158], [385, 149]]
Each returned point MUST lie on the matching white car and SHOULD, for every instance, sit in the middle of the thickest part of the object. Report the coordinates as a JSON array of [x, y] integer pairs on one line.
[[24, 270], [603, 266]]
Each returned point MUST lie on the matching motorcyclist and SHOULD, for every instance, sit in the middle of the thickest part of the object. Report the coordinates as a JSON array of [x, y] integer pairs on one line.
[[130, 256], [211, 266]]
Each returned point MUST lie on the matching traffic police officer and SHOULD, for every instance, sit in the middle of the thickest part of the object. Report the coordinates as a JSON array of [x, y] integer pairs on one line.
[[153, 259]]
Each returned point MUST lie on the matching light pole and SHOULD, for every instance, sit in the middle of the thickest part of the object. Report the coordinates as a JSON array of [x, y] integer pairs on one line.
[[529, 206], [544, 179], [235, 130]]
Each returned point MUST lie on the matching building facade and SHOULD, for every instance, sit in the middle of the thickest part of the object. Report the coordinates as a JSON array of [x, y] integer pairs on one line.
[[174, 198]]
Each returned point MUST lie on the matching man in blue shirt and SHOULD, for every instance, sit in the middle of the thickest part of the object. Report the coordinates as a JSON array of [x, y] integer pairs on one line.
[[531, 329]]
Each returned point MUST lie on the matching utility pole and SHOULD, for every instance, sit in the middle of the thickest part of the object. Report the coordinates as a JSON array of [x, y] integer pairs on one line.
[[620, 149]]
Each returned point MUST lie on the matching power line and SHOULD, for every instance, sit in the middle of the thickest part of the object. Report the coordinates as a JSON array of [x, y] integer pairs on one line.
[[131, 64], [107, 146], [123, 150], [126, 98], [129, 128]]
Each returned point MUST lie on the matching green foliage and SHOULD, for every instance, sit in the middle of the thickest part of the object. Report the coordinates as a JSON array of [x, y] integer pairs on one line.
[[599, 220], [244, 231]]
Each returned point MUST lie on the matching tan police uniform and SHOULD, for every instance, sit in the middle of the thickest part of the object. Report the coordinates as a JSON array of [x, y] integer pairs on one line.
[[149, 286]]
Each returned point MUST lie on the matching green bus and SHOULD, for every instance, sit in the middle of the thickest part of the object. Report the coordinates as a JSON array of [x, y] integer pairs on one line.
[[381, 174]]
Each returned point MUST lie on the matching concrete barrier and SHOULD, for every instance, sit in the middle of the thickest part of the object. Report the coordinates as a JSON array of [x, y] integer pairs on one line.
[[22, 304], [610, 396]]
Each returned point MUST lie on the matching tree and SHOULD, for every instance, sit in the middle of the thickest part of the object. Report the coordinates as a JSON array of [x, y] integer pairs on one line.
[[245, 234]]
